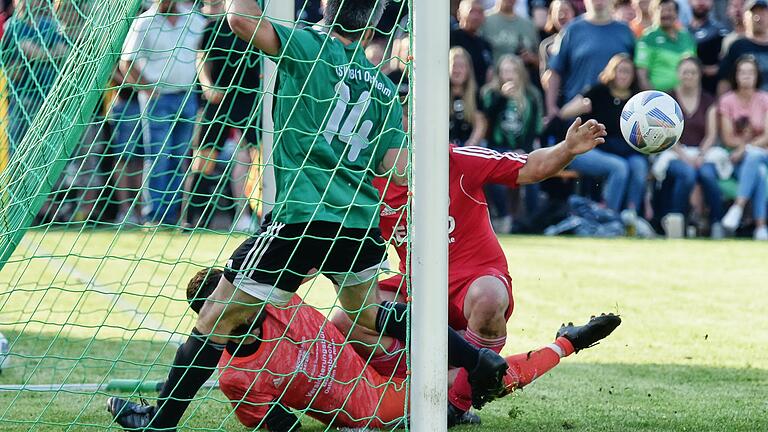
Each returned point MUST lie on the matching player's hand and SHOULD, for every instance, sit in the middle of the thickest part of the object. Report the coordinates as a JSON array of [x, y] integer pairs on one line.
[[583, 137]]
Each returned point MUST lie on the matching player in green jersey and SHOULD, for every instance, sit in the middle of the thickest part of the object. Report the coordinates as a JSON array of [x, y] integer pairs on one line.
[[338, 123]]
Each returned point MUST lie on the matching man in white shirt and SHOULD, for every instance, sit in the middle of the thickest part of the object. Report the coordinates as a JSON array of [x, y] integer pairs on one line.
[[159, 58]]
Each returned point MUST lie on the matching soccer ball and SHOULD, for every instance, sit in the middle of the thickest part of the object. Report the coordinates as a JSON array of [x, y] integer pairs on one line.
[[651, 122]]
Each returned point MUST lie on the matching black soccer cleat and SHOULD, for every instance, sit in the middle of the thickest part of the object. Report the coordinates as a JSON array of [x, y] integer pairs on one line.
[[458, 417], [487, 378], [588, 335], [130, 415]]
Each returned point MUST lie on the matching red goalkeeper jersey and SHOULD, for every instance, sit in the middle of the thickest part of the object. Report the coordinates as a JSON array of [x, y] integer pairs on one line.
[[472, 244], [305, 363]]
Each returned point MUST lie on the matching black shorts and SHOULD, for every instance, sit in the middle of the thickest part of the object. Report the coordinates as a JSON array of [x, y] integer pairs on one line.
[[273, 263], [217, 121]]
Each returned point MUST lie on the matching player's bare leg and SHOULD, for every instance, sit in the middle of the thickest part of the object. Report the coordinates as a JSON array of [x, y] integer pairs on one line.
[[485, 308], [196, 359]]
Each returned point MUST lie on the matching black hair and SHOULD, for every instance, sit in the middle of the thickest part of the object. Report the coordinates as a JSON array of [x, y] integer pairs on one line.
[[746, 58], [673, 2], [350, 18], [201, 286], [692, 59]]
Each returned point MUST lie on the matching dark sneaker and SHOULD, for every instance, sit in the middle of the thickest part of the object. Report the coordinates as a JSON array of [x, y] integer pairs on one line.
[[130, 415], [487, 378], [458, 417], [588, 335]]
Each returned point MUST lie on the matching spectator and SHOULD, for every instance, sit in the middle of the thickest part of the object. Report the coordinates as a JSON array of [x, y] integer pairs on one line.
[[33, 50], [467, 124], [744, 112], [660, 49], [471, 17], [560, 13], [126, 145], [624, 11], [539, 15], [159, 57], [755, 43], [228, 71], [374, 52], [709, 36], [579, 60], [643, 17], [735, 13], [512, 34], [625, 171], [513, 108], [398, 73], [700, 133]]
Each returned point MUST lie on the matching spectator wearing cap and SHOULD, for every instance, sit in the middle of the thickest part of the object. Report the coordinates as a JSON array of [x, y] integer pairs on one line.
[[579, 60], [471, 16], [509, 33], [661, 48], [708, 35], [755, 43]]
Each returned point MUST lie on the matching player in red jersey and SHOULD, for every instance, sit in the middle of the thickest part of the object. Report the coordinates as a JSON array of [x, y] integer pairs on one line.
[[479, 286], [291, 357]]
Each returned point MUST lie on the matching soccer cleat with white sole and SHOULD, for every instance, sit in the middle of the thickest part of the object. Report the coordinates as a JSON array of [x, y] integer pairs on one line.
[[761, 233]]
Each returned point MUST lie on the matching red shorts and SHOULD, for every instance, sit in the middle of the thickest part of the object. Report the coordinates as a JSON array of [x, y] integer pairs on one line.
[[457, 292]]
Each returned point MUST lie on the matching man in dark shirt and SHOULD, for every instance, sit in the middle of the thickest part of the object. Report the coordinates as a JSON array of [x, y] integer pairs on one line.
[[708, 35], [471, 17], [229, 76], [755, 42]]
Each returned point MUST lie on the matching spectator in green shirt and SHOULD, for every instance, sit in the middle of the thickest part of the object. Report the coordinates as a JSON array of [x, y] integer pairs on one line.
[[661, 48]]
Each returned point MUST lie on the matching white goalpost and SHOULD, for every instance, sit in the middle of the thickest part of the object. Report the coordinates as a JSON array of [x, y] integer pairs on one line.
[[429, 238]]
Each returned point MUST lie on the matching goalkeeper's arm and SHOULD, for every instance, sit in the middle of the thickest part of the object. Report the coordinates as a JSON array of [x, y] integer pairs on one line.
[[247, 21], [279, 419]]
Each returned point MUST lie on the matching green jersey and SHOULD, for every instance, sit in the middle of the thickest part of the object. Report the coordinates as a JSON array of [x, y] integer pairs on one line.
[[660, 54], [335, 117]]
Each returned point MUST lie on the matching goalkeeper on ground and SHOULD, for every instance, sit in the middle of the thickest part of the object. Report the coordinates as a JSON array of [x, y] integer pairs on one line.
[[291, 357]]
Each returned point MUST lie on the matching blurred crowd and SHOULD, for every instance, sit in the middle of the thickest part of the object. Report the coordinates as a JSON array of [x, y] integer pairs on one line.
[[186, 95], [521, 71]]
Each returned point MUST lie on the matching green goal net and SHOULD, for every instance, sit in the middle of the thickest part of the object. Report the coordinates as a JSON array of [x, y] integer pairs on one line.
[[137, 145]]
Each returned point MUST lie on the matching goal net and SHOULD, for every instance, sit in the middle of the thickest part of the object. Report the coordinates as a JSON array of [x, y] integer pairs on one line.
[[137, 146]]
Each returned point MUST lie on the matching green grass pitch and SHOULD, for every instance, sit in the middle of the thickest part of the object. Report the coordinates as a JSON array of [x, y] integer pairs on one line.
[[691, 355]]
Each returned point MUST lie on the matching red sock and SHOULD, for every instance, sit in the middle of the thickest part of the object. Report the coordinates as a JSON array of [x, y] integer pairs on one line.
[[392, 362], [526, 367], [460, 393]]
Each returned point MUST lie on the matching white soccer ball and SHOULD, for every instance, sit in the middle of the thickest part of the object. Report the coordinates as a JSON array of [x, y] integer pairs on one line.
[[651, 122]]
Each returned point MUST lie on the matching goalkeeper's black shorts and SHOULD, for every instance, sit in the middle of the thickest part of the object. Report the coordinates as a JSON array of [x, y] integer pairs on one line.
[[274, 262]]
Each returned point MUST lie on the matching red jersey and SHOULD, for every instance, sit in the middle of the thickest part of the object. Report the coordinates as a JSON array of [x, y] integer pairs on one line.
[[305, 363], [472, 243]]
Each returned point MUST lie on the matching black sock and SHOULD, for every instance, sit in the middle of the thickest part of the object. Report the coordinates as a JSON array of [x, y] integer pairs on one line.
[[460, 352], [390, 320], [195, 362]]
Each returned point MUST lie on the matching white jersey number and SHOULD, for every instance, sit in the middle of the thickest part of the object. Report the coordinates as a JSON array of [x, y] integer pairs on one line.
[[358, 141]]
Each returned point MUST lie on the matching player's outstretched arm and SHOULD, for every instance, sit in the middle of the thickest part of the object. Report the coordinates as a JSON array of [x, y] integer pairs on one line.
[[247, 21], [546, 162]]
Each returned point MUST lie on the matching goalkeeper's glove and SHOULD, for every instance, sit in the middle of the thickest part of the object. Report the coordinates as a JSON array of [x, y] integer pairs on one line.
[[279, 419]]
